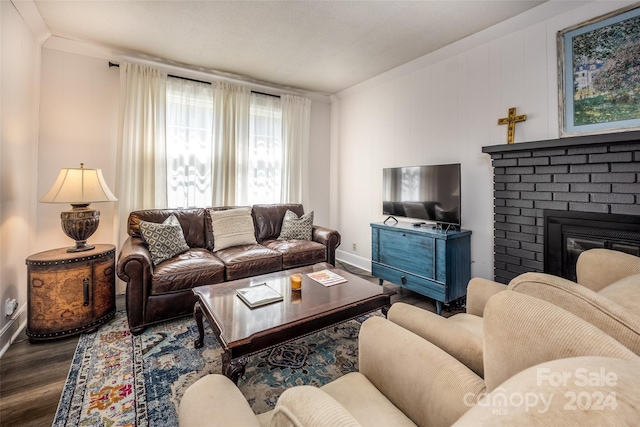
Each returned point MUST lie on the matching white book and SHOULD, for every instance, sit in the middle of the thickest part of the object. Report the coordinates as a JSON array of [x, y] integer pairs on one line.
[[262, 294]]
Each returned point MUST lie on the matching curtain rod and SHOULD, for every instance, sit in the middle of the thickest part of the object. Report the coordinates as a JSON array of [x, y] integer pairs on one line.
[[113, 64]]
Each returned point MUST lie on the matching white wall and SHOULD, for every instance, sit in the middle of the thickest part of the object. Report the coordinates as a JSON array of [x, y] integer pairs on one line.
[[319, 151], [78, 124], [19, 94], [443, 108]]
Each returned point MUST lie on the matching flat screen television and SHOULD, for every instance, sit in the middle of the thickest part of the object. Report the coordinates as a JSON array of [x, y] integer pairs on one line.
[[427, 193]]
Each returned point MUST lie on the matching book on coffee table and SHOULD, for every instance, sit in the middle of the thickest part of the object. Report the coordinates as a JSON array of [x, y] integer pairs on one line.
[[326, 277], [258, 295]]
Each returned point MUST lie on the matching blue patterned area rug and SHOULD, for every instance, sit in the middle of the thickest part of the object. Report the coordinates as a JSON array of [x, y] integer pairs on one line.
[[117, 379]]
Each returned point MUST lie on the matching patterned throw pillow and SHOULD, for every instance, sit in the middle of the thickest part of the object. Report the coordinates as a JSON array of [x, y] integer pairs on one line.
[[294, 228], [232, 227], [165, 240]]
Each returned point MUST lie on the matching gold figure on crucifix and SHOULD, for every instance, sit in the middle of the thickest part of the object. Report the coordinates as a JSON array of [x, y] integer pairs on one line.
[[511, 120]]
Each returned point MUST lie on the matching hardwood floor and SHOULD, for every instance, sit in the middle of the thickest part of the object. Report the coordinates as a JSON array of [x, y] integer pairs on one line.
[[32, 376], [32, 379]]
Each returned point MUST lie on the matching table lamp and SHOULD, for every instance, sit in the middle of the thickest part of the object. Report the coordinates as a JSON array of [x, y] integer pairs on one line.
[[79, 187]]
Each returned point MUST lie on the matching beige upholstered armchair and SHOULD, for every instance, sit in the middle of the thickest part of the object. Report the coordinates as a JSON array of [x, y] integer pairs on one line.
[[404, 380], [607, 295]]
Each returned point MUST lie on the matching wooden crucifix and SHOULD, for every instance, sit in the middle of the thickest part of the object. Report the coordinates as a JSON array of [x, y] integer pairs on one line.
[[511, 120]]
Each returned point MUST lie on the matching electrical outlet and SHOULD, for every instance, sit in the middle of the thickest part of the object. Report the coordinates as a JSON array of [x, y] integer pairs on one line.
[[10, 306], [353, 245]]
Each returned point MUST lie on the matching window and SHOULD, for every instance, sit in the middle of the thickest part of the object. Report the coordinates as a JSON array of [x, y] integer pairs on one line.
[[190, 147], [265, 150], [189, 126]]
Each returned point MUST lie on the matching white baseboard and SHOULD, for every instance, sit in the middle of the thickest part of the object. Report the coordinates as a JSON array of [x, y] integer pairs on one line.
[[12, 329], [355, 260]]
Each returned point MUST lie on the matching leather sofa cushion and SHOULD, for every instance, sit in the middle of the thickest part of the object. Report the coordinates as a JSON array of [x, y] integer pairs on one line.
[[193, 223], [196, 267], [296, 253], [249, 260], [268, 219]]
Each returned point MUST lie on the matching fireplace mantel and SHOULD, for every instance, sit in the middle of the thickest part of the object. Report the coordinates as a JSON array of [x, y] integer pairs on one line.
[[569, 142]]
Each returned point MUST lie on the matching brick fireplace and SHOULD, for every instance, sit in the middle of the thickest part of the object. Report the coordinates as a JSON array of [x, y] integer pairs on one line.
[[581, 177]]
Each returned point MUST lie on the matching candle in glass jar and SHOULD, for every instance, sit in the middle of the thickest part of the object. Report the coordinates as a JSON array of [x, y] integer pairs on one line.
[[296, 281]]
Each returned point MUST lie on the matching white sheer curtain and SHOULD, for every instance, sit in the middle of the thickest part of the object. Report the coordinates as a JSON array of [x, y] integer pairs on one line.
[[261, 174], [183, 143], [189, 143], [231, 135], [141, 178], [296, 117]]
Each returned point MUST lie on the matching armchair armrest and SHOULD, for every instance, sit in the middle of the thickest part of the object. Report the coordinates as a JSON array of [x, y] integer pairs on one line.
[[135, 268], [215, 401], [310, 407], [479, 291], [448, 335], [412, 373], [328, 237], [598, 268]]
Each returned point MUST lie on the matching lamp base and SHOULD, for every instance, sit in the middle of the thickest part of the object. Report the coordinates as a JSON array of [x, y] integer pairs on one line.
[[80, 223], [81, 247]]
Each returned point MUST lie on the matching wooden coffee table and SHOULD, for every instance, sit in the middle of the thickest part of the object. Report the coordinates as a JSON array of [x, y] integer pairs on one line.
[[242, 331]]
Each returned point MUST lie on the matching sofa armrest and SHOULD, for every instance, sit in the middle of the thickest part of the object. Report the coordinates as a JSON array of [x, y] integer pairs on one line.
[[456, 340], [214, 400], [413, 373], [310, 407], [598, 268], [479, 291], [133, 249], [328, 237], [135, 268]]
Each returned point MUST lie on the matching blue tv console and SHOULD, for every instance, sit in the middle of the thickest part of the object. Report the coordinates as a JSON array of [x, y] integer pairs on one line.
[[429, 261]]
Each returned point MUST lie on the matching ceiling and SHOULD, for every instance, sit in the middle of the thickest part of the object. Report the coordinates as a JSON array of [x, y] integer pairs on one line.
[[320, 46]]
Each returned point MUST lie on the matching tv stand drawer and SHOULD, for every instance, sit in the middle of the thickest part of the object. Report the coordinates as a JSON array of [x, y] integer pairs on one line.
[[421, 285]]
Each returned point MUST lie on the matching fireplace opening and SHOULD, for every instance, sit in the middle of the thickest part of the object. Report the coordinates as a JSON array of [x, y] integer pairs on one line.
[[567, 234]]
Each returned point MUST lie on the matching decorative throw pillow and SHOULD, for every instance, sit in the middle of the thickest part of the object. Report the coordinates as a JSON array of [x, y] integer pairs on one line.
[[165, 240], [296, 228], [232, 227]]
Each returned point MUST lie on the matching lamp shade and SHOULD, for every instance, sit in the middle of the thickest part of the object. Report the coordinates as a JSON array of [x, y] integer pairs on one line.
[[79, 186]]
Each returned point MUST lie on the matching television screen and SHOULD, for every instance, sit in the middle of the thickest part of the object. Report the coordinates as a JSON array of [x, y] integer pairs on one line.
[[430, 193]]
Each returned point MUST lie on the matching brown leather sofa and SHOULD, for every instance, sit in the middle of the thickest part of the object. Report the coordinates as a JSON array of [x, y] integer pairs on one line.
[[162, 292]]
